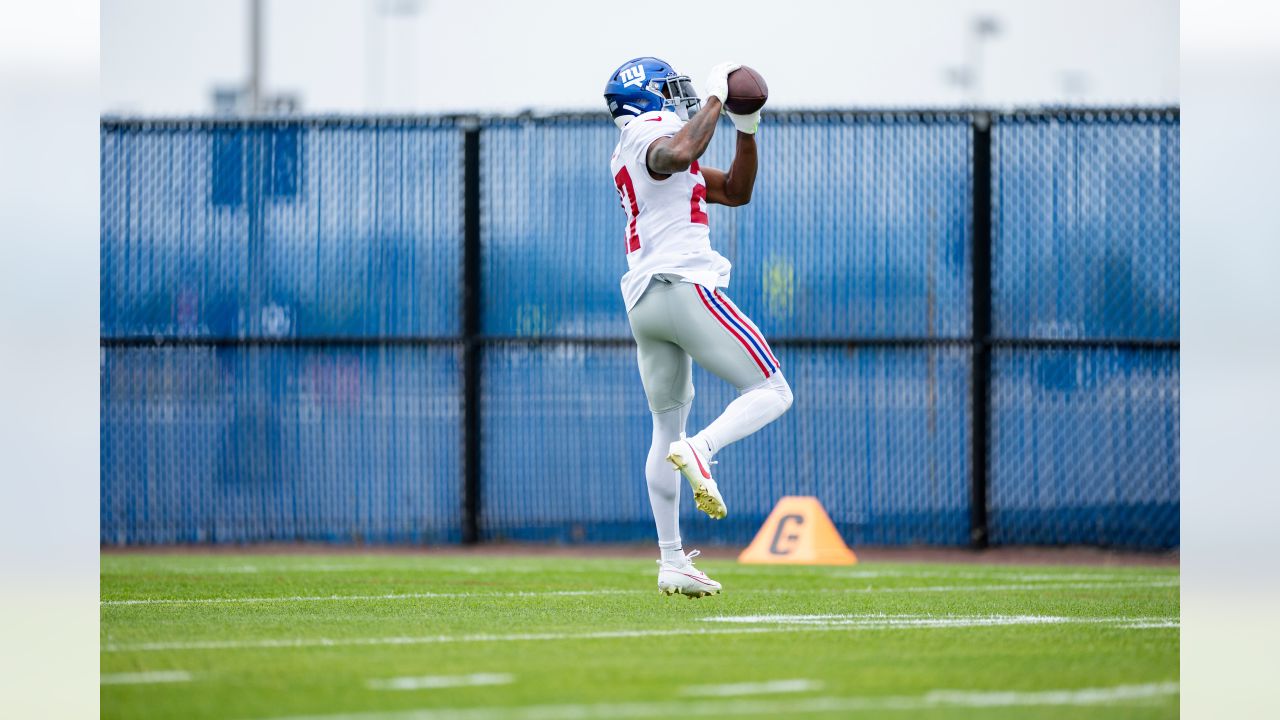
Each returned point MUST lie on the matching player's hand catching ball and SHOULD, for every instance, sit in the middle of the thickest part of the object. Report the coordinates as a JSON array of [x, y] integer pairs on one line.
[[717, 85], [745, 123], [746, 93]]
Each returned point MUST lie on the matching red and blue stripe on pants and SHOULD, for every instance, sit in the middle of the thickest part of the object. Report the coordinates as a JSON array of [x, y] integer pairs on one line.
[[740, 328]]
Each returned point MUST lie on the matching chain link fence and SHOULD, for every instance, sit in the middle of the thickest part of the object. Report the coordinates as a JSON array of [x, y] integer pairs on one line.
[[1084, 441], [287, 355]]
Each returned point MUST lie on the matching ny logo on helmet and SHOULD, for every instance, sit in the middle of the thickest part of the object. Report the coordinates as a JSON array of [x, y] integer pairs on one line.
[[633, 75]]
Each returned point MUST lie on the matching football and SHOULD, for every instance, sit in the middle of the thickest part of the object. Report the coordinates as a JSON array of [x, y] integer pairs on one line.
[[747, 91]]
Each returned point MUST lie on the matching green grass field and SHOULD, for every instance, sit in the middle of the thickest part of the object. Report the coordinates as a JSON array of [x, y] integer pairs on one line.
[[480, 637]]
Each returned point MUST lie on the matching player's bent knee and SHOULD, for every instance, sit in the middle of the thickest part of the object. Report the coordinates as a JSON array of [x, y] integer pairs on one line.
[[784, 391], [776, 384], [783, 388]]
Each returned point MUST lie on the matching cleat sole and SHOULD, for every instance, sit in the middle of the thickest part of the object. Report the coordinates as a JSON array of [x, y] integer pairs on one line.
[[705, 501], [690, 594], [708, 504]]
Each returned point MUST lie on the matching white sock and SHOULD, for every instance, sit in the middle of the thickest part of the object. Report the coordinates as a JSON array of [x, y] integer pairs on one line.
[[672, 552], [665, 481], [756, 407]]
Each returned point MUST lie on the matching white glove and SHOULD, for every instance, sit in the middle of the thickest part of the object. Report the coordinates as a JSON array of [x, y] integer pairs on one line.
[[717, 84], [745, 123]]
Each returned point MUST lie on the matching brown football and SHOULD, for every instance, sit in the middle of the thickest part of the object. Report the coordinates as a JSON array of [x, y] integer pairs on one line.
[[747, 91]]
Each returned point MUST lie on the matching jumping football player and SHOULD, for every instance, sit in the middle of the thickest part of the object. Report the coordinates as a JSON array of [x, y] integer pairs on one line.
[[672, 290]]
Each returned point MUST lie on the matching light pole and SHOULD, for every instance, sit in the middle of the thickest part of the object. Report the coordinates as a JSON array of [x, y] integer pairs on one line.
[[255, 57], [377, 15], [980, 29], [968, 77]]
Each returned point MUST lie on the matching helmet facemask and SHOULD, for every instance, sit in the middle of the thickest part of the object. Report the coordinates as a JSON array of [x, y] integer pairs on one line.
[[679, 96]]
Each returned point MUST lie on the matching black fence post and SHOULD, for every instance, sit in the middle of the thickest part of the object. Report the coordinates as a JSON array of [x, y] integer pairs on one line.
[[472, 297], [980, 382]]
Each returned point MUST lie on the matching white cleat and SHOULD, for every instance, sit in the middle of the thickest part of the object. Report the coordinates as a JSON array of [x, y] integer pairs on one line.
[[682, 578], [693, 464]]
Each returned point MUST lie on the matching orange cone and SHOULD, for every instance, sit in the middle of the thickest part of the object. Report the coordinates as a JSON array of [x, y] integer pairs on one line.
[[799, 532]]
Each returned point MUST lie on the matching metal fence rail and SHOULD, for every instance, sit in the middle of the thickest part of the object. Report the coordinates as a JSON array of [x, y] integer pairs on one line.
[[396, 329]]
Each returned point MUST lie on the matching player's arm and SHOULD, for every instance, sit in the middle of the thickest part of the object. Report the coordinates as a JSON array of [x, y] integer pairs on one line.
[[668, 155], [734, 187]]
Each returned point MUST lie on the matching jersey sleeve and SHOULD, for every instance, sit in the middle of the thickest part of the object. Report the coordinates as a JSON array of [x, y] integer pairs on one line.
[[640, 133]]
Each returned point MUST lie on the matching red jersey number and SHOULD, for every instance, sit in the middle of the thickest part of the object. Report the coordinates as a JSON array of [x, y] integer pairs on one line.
[[698, 203], [697, 213], [627, 193]]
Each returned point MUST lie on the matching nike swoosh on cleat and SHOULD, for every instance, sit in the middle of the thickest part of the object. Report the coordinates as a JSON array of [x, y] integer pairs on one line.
[[705, 474], [691, 577]]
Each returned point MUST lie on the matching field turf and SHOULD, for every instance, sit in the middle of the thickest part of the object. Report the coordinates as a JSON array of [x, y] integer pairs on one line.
[[486, 637]]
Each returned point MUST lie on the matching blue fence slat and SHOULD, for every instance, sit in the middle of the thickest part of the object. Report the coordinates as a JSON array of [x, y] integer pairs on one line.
[[278, 443], [1085, 226], [1084, 447], [552, 253], [281, 231], [880, 436]]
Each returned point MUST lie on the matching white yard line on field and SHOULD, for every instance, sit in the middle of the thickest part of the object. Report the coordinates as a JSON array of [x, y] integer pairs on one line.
[[753, 688], [348, 598], [266, 643], [268, 568], [872, 618], [574, 593], [881, 620], [994, 575], [754, 625], [1150, 624], [141, 678], [1085, 696], [938, 699], [432, 682], [1009, 587]]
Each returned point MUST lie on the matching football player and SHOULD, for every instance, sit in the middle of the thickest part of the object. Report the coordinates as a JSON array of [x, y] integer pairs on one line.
[[678, 310]]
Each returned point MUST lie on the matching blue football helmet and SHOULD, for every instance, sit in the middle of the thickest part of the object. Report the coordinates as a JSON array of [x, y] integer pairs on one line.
[[645, 84]]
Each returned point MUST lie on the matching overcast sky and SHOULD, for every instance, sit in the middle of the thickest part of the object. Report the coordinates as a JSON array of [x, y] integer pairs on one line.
[[165, 56]]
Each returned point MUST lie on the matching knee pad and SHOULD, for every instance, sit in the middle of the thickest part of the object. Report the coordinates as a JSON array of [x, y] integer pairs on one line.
[[783, 388], [778, 384]]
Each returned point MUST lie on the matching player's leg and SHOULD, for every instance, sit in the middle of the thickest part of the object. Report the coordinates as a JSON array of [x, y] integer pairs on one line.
[[676, 572], [666, 373], [721, 338], [755, 407], [664, 481]]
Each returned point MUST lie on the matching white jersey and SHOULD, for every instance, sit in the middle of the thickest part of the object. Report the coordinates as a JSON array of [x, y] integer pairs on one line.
[[667, 230]]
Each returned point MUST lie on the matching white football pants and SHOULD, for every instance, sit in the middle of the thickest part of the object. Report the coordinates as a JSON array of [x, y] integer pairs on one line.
[[674, 324]]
